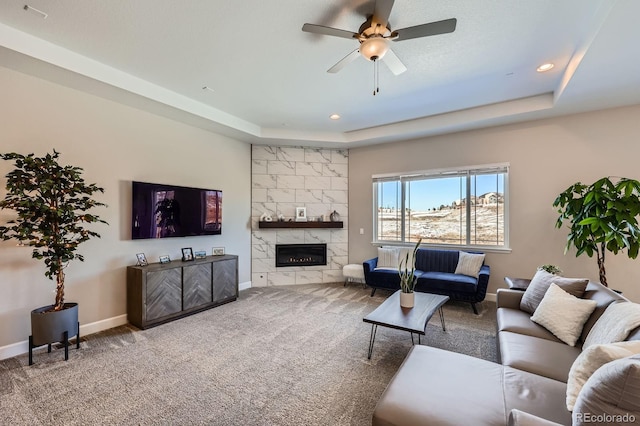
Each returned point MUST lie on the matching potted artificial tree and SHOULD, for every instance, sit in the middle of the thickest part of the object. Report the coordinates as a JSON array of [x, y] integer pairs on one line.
[[52, 204], [602, 217], [408, 278]]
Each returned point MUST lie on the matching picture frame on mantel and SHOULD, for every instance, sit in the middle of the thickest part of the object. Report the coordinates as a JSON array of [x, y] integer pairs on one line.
[[301, 214]]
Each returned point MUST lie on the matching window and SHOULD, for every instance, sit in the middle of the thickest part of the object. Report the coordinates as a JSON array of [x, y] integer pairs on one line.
[[460, 207]]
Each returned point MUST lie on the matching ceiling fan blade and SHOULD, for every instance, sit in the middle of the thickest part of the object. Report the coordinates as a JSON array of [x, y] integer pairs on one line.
[[393, 62], [382, 11], [425, 30], [320, 29], [345, 61]]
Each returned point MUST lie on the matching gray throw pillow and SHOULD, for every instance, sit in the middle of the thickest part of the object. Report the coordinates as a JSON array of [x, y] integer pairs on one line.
[[610, 396], [540, 284]]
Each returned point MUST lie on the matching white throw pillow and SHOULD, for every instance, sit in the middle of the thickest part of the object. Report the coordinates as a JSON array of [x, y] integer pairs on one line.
[[469, 264], [615, 324], [593, 358], [563, 314], [387, 258]]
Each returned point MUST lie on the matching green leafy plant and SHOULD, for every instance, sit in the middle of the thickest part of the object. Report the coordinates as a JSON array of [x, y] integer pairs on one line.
[[52, 203], [602, 217], [408, 278], [552, 269]]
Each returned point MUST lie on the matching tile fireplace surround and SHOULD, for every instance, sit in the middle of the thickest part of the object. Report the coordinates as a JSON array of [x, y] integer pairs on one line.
[[283, 178]]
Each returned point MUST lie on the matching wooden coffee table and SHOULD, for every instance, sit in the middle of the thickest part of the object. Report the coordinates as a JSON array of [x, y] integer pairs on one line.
[[414, 320]]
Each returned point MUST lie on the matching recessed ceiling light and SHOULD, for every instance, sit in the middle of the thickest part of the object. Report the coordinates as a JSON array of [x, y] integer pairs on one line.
[[545, 67], [334, 117]]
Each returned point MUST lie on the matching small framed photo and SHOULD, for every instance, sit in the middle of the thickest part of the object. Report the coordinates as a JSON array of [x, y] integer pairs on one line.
[[301, 214], [165, 258], [142, 259], [187, 254], [200, 254], [218, 251]]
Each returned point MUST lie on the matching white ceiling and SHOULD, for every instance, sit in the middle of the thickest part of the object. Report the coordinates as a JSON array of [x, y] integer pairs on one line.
[[269, 78]]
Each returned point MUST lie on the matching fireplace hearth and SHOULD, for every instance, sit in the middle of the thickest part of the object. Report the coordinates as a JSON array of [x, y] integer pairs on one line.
[[301, 254]]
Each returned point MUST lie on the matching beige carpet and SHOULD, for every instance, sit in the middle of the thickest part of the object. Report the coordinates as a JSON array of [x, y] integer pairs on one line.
[[294, 355]]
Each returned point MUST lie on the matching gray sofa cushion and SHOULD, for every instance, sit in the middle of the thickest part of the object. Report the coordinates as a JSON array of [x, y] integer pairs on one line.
[[437, 387], [538, 356], [537, 395], [517, 321], [540, 284]]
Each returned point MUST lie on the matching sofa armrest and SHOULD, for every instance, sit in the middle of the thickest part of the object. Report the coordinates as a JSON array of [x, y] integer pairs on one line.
[[507, 298], [483, 282], [368, 266], [522, 418]]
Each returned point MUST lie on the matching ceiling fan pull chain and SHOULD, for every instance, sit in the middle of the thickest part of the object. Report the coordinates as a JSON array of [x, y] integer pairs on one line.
[[377, 77], [374, 78]]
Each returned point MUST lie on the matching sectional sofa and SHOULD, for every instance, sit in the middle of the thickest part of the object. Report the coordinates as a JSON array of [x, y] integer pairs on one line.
[[529, 387]]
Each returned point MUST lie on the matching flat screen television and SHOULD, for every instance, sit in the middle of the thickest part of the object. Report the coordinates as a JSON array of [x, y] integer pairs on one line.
[[163, 211]]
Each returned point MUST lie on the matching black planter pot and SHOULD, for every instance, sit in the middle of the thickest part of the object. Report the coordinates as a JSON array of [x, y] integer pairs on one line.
[[49, 326]]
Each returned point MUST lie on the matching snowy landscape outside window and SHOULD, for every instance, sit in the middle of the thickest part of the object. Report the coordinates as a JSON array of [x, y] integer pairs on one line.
[[455, 207]]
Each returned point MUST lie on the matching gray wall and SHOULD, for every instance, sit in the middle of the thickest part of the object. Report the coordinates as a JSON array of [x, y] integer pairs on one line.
[[115, 144], [546, 157]]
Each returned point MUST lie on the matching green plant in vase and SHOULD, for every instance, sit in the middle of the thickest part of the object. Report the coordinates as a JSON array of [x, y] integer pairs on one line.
[[408, 278], [52, 203]]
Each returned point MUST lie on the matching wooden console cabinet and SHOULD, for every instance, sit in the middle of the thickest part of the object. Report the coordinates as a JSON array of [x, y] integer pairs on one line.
[[158, 293]]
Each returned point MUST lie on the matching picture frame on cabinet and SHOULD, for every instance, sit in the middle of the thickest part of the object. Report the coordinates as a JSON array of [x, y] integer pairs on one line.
[[218, 251], [142, 259], [200, 254], [165, 258], [187, 254]]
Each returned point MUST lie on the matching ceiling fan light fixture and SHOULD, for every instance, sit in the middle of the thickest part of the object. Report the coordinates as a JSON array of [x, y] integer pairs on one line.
[[374, 48]]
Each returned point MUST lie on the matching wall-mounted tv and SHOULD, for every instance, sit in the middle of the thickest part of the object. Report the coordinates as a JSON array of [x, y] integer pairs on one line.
[[162, 211]]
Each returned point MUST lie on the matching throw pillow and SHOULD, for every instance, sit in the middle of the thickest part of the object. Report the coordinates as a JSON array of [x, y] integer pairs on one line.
[[387, 258], [615, 324], [540, 284], [611, 391], [469, 264], [563, 314], [593, 358]]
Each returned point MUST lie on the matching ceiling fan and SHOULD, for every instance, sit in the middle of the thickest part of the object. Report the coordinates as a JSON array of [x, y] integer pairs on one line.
[[374, 36]]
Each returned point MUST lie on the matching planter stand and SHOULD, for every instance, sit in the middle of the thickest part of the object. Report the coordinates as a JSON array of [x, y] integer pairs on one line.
[[51, 327]]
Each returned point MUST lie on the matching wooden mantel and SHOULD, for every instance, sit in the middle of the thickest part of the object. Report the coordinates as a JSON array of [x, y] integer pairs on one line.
[[292, 224]]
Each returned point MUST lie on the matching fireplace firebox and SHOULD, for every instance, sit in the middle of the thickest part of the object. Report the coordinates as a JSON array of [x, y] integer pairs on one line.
[[301, 254]]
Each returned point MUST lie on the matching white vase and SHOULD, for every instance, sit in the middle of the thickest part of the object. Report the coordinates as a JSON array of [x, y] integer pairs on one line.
[[407, 300]]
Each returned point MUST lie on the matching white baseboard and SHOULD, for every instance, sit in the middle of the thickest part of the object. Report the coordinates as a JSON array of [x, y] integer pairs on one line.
[[245, 285], [20, 348], [491, 297]]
